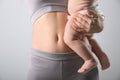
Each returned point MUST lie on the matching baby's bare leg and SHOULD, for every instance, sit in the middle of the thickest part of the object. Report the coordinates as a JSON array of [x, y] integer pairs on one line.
[[71, 38], [104, 60]]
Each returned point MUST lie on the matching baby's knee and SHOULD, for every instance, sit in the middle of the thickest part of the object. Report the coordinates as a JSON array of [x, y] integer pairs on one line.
[[67, 39]]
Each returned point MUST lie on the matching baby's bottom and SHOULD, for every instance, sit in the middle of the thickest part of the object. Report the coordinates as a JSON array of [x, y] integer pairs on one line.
[[72, 39], [47, 66]]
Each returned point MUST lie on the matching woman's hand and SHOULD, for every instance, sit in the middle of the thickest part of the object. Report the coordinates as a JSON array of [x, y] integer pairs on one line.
[[89, 23]]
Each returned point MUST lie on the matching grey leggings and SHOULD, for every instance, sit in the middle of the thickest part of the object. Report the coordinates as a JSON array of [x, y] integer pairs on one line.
[[63, 66]]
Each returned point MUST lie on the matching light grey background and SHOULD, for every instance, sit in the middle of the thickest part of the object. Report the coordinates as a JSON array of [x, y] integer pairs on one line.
[[16, 37]]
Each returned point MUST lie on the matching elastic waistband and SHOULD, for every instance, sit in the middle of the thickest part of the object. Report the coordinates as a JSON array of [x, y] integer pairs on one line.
[[54, 56]]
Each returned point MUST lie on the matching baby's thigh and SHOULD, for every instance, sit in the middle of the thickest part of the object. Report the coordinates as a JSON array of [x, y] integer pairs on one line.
[[70, 32], [69, 27]]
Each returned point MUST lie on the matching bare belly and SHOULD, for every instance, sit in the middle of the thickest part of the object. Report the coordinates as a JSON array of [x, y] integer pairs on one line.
[[49, 31]]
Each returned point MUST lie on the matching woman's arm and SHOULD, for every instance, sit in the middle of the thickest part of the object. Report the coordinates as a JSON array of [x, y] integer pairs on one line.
[[86, 22]]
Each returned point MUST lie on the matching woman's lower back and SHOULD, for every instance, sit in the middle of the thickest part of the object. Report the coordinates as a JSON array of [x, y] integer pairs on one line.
[[49, 31]]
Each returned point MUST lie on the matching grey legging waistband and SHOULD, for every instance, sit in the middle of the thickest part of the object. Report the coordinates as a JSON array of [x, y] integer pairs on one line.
[[54, 56]]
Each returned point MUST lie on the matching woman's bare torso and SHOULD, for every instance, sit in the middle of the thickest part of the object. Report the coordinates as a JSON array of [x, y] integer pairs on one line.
[[49, 31]]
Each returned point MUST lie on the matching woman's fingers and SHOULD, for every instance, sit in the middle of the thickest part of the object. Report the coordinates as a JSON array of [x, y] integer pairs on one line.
[[85, 21], [82, 24], [78, 26]]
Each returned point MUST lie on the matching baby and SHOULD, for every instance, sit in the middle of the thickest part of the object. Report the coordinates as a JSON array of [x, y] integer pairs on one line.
[[79, 40]]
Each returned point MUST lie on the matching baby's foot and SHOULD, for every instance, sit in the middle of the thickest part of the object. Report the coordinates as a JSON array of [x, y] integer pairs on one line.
[[104, 61], [87, 66]]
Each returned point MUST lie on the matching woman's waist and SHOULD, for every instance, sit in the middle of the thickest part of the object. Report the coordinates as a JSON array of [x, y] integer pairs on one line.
[[49, 31], [50, 45], [49, 41]]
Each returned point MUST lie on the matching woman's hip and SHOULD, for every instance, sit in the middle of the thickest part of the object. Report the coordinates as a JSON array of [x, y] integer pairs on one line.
[[46, 66]]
